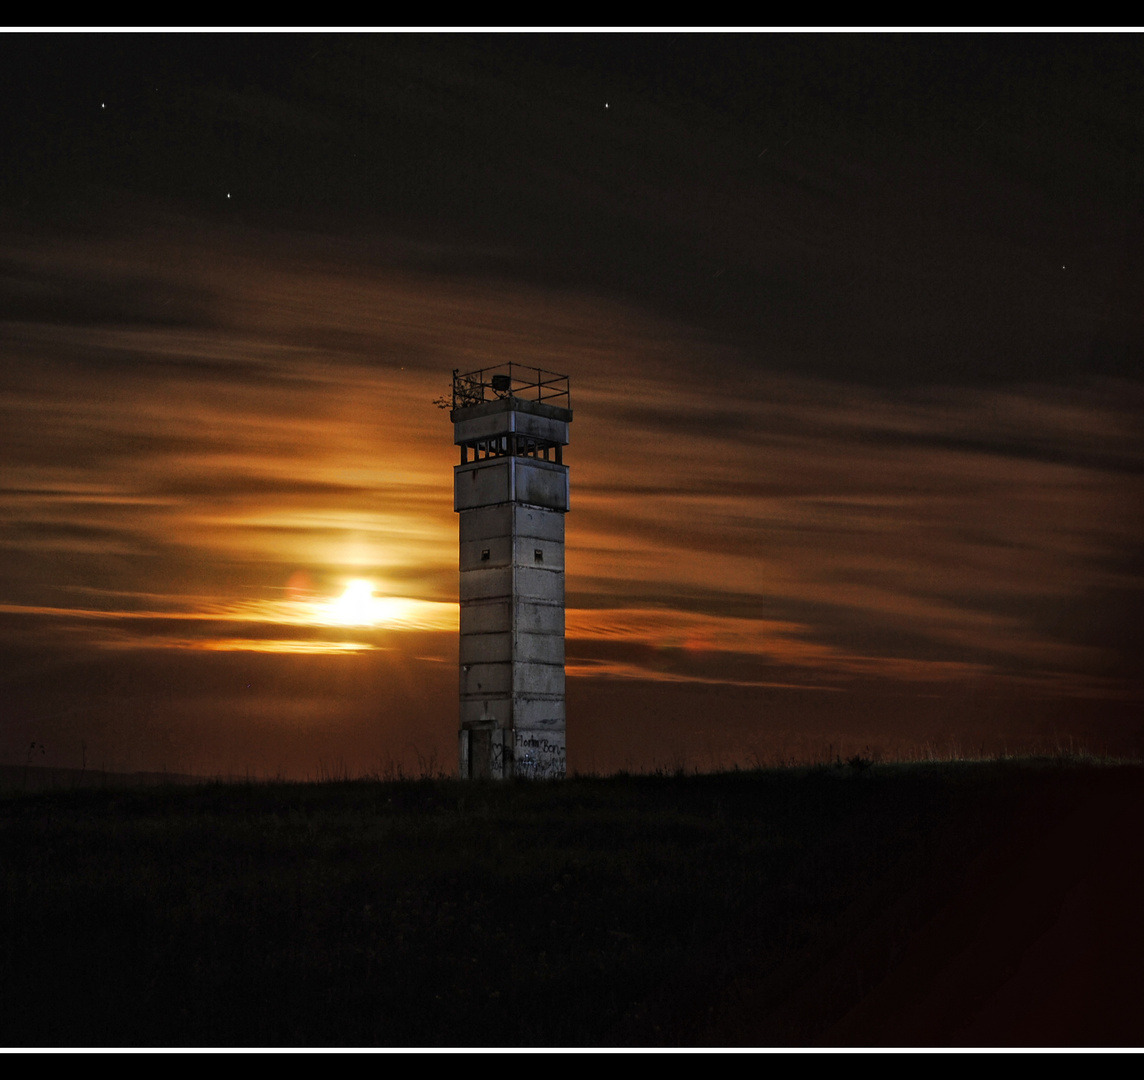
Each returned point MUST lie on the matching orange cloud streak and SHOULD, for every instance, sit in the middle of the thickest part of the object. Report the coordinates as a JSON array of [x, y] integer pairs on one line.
[[717, 510]]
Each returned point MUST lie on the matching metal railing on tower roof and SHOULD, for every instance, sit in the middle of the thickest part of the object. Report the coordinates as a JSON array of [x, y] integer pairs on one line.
[[510, 381]]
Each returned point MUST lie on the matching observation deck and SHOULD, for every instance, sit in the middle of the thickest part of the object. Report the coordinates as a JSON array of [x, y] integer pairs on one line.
[[510, 411]]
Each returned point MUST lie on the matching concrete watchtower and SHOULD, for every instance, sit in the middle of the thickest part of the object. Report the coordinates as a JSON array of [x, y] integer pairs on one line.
[[511, 490]]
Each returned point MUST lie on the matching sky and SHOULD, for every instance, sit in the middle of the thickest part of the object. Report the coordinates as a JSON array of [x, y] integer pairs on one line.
[[853, 328]]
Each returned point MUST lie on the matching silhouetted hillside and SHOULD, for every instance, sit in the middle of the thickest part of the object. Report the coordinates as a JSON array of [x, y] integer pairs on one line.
[[990, 903]]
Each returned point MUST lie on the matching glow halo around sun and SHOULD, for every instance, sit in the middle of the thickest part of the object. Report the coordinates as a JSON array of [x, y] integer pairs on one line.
[[357, 605]]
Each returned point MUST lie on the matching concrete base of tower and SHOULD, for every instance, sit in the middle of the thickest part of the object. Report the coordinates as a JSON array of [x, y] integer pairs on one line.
[[488, 753], [539, 754]]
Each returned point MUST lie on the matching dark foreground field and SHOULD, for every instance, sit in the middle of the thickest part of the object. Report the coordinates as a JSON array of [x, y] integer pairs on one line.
[[930, 904]]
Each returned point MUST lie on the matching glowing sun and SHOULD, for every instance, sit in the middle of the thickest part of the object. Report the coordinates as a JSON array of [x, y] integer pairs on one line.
[[356, 606]]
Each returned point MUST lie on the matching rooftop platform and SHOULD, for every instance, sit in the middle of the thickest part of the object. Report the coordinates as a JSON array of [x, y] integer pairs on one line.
[[505, 381]]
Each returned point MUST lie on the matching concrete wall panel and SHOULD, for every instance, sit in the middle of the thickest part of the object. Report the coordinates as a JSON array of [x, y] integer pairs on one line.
[[521, 711], [540, 648], [486, 680], [499, 418], [537, 678], [539, 755], [543, 524], [499, 550], [484, 710], [500, 480], [526, 548], [538, 712], [487, 618], [486, 521], [541, 483], [533, 583], [486, 427], [482, 483], [486, 583], [534, 618], [487, 648]]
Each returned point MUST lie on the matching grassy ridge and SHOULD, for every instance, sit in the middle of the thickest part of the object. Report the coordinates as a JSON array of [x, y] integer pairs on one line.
[[440, 913]]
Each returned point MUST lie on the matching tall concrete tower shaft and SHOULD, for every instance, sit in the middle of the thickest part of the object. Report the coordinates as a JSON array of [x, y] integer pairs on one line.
[[511, 492]]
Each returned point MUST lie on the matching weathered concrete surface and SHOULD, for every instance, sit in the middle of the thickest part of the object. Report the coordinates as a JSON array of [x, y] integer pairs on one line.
[[539, 754], [493, 481], [504, 647], [508, 520], [520, 711], [511, 416]]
